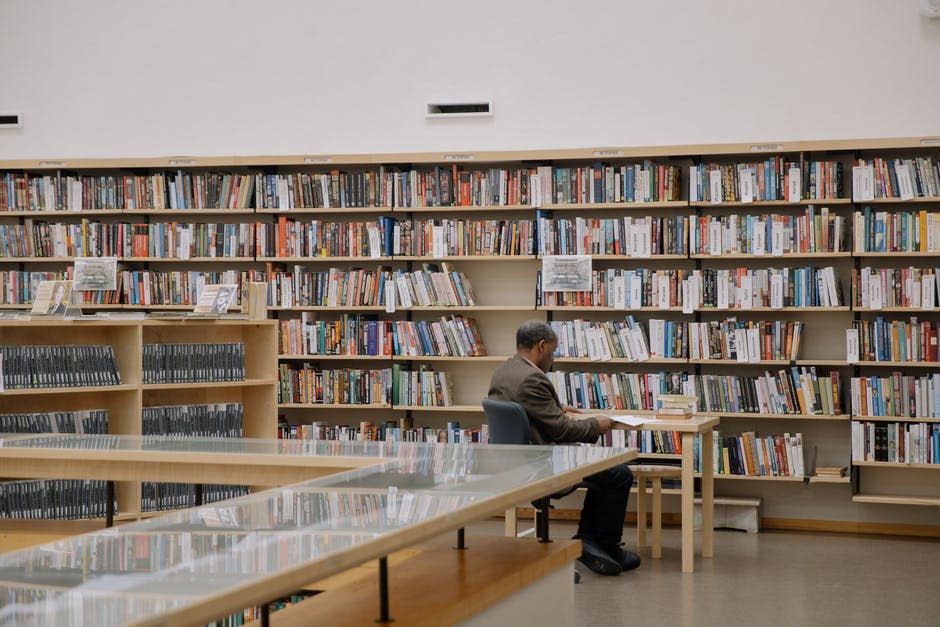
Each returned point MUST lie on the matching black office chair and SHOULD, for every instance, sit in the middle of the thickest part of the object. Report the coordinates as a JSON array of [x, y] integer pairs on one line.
[[508, 423]]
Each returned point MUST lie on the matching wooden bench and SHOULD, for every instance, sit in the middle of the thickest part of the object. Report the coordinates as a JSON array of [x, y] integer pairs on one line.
[[654, 473]]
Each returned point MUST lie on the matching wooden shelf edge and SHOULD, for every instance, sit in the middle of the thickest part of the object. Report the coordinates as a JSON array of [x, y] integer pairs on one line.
[[892, 499]]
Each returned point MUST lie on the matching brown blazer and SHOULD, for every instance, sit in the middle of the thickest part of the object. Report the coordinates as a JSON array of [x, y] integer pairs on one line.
[[518, 380]]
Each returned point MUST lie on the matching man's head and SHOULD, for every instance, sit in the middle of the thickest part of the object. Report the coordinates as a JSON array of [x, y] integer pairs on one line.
[[536, 341]]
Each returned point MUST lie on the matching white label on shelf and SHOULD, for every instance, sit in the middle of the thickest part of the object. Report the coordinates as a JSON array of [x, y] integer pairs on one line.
[[794, 184], [687, 296], [404, 296], [759, 237], [437, 242], [740, 344], [646, 238], [620, 296], [608, 153], [928, 291], [746, 293], [185, 241], [776, 291], [714, 238], [722, 286], [863, 183], [745, 184], [874, 293], [753, 344], [851, 345], [389, 297], [776, 239], [765, 147], [184, 161], [375, 243], [905, 186], [52, 164], [664, 292], [714, 186], [318, 159], [460, 156], [636, 292], [932, 141]]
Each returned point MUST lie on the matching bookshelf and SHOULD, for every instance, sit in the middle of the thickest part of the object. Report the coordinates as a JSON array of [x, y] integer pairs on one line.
[[127, 401], [500, 305]]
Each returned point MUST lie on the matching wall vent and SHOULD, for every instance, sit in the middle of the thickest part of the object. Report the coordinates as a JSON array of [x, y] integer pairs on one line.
[[473, 108], [10, 120]]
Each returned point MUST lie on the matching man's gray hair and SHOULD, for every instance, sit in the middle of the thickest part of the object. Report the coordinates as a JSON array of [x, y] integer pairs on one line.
[[534, 331]]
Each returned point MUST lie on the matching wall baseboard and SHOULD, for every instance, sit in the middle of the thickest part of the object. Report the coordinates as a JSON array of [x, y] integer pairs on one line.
[[778, 524]]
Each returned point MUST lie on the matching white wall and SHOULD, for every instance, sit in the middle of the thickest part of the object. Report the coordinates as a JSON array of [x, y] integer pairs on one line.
[[215, 77]]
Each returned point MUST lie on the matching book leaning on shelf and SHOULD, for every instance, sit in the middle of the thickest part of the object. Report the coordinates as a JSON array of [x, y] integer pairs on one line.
[[815, 231], [899, 442]]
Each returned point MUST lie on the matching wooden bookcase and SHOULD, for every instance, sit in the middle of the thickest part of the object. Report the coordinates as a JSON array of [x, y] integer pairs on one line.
[[125, 402], [505, 288]]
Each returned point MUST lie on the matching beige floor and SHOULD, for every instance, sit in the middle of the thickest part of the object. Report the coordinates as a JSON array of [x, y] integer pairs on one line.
[[768, 579]]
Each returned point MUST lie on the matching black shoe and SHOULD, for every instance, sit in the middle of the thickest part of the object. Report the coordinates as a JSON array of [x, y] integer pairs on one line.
[[626, 559], [598, 560]]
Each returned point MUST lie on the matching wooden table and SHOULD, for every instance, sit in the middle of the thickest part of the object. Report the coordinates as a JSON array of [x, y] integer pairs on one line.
[[464, 483], [689, 429]]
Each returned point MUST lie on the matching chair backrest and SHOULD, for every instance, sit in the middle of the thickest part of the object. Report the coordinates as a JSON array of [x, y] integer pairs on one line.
[[507, 421]]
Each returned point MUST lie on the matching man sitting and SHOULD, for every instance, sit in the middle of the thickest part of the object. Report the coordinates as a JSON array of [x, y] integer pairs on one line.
[[522, 380]]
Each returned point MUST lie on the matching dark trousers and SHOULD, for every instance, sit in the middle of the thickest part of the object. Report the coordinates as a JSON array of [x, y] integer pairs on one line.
[[605, 506]]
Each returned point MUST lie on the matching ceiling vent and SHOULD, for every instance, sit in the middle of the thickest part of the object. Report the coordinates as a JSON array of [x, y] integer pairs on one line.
[[10, 120], [464, 109]]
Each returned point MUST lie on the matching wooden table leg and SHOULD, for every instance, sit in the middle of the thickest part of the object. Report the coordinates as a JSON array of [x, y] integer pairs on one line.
[[708, 493], [688, 496], [511, 529]]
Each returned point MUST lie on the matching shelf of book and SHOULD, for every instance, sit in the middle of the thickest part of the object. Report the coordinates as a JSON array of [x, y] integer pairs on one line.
[[478, 359], [83, 213], [894, 465], [896, 499], [614, 309], [897, 254], [650, 361], [381, 308], [464, 208], [899, 364], [324, 259], [216, 384], [661, 456], [334, 357], [892, 419], [773, 203], [759, 478], [476, 409], [657, 204], [179, 212], [190, 260], [898, 201], [334, 406], [322, 210], [663, 257], [741, 310], [465, 258], [773, 258], [67, 390], [783, 416]]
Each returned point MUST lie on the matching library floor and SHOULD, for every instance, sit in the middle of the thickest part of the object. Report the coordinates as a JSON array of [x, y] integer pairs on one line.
[[766, 579]]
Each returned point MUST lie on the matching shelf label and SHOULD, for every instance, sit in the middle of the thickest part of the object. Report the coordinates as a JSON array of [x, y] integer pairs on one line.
[[794, 185], [722, 285], [185, 241], [930, 141], [905, 186], [438, 250], [765, 147], [608, 153], [620, 295], [863, 183], [315, 160], [746, 292], [636, 291], [52, 164], [776, 239], [928, 291], [183, 161], [740, 345], [745, 184], [460, 156], [758, 239], [851, 345], [776, 291], [403, 292], [714, 186], [375, 243], [646, 238], [687, 296], [874, 293], [389, 296], [664, 292], [714, 238], [753, 345]]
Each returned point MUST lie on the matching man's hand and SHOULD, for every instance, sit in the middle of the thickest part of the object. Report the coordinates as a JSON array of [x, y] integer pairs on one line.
[[605, 423]]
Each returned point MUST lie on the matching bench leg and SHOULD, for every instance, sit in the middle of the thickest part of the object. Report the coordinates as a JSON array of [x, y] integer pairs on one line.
[[641, 511], [511, 529], [657, 517]]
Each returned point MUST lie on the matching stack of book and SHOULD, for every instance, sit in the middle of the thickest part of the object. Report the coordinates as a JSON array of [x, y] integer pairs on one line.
[[675, 407]]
